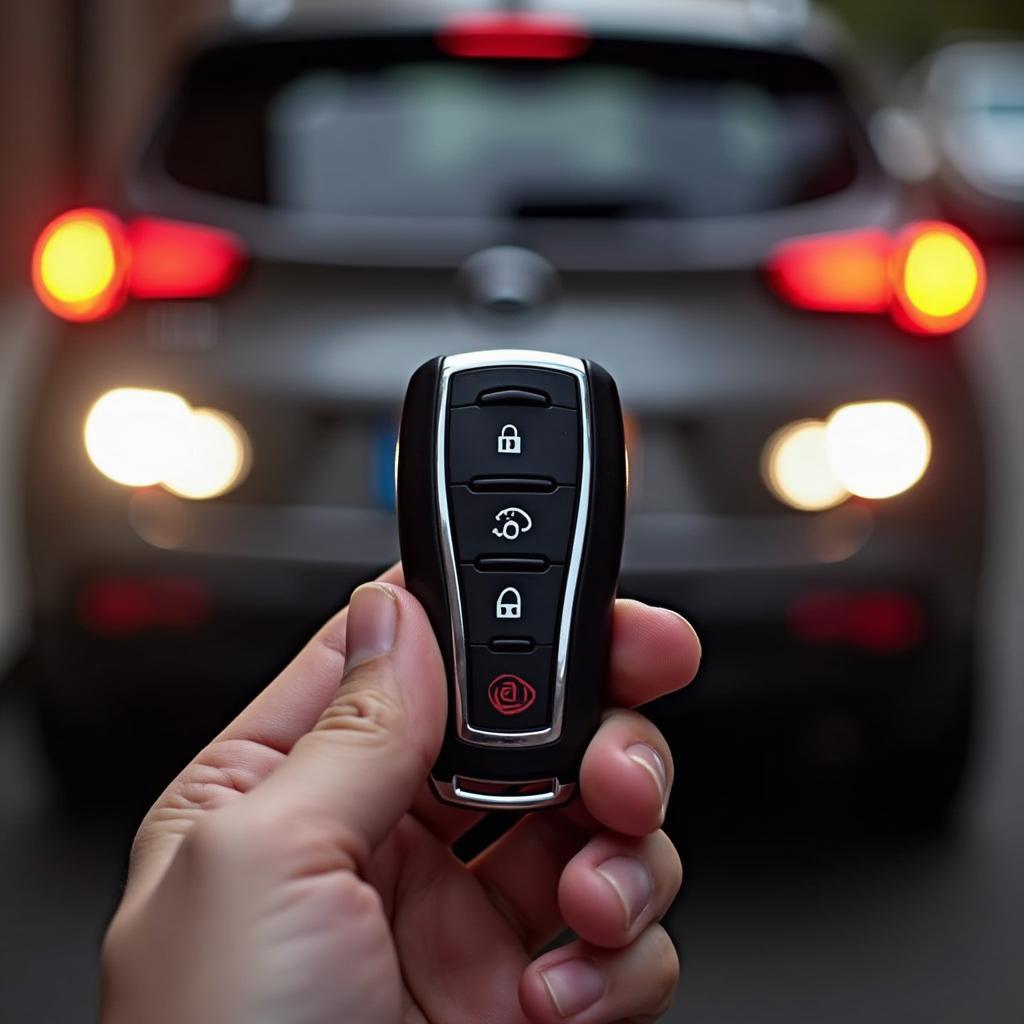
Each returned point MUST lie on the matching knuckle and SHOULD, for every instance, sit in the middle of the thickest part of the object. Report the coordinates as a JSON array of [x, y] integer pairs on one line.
[[212, 780], [356, 899], [365, 711]]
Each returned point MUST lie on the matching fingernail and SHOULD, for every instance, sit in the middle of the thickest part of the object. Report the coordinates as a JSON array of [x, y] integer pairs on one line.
[[632, 882], [574, 985], [372, 623], [650, 760]]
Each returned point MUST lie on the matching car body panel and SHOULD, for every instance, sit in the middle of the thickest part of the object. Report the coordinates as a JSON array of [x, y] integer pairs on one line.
[[311, 353]]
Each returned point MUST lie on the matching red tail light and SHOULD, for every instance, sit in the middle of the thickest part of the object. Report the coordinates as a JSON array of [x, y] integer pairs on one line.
[[80, 265], [883, 622], [938, 278], [846, 272], [121, 605], [930, 278], [172, 260], [87, 262], [513, 36]]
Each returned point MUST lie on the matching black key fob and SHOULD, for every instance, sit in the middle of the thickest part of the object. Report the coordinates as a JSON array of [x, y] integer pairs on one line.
[[511, 502]]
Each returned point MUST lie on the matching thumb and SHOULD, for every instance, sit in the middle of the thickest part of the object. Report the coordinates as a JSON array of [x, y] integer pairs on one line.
[[366, 758]]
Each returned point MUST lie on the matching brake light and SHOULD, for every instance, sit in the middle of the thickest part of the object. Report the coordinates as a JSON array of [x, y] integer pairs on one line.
[[930, 278], [80, 264], [121, 605], [845, 272], [938, 278], [87, 262], [513, 36], [173, 260], [882, 622]]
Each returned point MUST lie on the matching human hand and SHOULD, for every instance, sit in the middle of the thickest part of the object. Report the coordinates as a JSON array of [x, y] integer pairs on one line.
[[298, 871]]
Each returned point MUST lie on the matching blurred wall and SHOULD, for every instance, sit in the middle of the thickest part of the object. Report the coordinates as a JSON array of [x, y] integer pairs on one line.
[[33, 116], [133, 45], [75, 76]]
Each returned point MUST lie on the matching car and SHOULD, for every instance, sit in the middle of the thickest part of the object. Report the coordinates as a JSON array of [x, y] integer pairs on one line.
[[687, 194], [969, 97]]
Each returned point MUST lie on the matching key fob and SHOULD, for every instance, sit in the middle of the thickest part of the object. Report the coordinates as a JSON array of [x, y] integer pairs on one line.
[[511, 484]]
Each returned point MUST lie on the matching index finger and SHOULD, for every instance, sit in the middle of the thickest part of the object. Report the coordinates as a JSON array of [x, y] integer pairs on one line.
[[654, 651]]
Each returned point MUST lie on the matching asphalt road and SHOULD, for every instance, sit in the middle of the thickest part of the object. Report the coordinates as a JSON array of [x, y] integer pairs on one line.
[[773, 925]]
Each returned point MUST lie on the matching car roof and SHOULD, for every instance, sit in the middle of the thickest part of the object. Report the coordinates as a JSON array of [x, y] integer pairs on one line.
[[763, 24]]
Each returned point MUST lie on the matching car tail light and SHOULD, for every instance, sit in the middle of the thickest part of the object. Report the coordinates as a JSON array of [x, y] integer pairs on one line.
[[87, 262], [847, 272], [122, 605], [513, 36], [80, 265], [173, 260], [881, 622], [930, 278], [938, 278]]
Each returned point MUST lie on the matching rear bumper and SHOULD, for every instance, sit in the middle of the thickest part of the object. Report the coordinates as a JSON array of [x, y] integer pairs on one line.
[[267, 578], [136, 704]]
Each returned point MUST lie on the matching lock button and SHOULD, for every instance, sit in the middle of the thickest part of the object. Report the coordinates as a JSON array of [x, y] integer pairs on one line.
[[513, 441], [504, 605], [509, 441], [509, 604]]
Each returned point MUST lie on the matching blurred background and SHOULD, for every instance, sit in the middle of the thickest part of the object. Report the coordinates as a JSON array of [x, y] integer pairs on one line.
[[794, 235]]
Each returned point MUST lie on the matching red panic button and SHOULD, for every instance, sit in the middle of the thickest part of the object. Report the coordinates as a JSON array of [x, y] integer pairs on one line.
[[510, 695]]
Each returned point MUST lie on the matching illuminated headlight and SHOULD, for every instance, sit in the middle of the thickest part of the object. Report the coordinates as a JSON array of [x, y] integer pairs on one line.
[[870, 449], [140, 437]]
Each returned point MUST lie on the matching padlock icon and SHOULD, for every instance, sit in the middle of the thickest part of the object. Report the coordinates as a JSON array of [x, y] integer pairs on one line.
[[509, 441], [509, 604]]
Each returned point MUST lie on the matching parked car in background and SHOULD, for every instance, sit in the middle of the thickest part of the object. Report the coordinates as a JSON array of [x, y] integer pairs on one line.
[[687, 194], [969, 95]]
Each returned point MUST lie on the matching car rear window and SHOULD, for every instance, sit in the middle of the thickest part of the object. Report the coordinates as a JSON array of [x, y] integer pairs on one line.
[[389, 127]]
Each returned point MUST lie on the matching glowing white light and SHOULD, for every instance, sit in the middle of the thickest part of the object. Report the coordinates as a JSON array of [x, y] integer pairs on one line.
[[796, 468], [132, 434], [877, 449], [213, 456], [140, 437]]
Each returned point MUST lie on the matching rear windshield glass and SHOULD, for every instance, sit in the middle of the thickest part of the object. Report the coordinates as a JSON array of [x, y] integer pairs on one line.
[[393, 129]]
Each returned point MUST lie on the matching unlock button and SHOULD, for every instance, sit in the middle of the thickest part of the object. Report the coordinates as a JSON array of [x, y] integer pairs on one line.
[[502, 605]]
